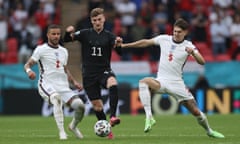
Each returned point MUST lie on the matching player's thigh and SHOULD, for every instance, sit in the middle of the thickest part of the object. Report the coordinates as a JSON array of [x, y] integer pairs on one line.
[[108, 79], [93, 91], [151, 82], [67, 96]]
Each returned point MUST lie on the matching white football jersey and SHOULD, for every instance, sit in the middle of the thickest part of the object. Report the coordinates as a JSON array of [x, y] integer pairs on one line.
[[51, 62], [173, 57]]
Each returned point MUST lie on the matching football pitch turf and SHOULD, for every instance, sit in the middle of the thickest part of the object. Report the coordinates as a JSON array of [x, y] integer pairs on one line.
[[170, 129]]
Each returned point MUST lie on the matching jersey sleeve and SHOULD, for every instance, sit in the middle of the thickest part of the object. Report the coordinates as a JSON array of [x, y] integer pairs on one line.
[[112, 38], [36, 54], [78, 35], [81, 35], [66, 59], [157, 40], [67, 37]]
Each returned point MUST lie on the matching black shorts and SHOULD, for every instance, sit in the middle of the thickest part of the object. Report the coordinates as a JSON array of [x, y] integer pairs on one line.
[[93, 85]]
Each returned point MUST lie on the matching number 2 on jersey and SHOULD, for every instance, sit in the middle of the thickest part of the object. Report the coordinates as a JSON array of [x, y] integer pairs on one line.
[[57, 64]]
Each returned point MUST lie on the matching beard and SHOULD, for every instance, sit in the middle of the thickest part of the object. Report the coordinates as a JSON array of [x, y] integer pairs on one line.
[[54, 42]]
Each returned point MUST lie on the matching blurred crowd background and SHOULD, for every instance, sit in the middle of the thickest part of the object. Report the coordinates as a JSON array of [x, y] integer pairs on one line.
[[214, 25], [214, 29]]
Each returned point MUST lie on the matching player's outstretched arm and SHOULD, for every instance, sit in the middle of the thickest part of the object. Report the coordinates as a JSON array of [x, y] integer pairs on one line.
[[27, 67], [139, 44]]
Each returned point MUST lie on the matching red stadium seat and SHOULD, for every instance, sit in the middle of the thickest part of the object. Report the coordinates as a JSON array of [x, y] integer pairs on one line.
[[12, 45], [12, 51], [2, 57], [115, 56], [169, 29], [222, 57], [238, 57], [203, 48], [233, 47], [208, 58], [154, 67]]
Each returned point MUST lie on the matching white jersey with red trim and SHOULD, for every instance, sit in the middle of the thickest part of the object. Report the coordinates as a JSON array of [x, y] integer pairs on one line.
[[173, 57], [51, 62]]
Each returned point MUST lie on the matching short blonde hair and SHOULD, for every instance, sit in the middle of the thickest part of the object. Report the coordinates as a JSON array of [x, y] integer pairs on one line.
[[96, 11]]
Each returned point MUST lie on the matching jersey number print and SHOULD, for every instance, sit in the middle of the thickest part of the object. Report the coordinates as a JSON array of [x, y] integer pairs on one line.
[[170, 56], [57, 60], [97, 51]]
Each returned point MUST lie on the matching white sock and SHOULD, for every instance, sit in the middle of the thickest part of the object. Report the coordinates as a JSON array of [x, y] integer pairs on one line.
[[79, 109], [145, 98], [202, 120], [57, 111]]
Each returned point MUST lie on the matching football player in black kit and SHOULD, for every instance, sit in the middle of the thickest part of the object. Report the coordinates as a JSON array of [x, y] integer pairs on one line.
[[97, 45]]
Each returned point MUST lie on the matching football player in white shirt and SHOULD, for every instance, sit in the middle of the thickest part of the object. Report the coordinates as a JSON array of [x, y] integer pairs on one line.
[[54, 78], [174, 53]]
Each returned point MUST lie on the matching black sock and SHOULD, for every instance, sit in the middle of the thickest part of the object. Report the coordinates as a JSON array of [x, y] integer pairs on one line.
[[113, 95], [100, 115]]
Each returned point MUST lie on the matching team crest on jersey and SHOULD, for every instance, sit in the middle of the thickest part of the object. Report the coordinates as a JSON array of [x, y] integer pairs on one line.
[[56, 54], [173, 47]]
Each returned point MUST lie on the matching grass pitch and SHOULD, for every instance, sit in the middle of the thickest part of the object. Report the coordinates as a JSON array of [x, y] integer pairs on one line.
[[170, 129]]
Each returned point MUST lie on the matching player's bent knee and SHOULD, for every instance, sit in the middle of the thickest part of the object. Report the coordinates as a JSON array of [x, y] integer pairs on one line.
[[97, 108], [55, 98], [77, 104], [97, 105], [111, 82], [143, 86]]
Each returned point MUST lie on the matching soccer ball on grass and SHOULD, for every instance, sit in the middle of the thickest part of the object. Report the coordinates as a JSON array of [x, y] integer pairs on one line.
[[102, 128]]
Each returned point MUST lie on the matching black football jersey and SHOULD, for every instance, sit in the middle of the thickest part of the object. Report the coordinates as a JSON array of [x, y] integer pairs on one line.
[[96, 49]]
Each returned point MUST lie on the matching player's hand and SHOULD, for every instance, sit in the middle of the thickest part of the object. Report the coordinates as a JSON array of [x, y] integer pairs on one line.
[[189, 50], [70, 29], [77, 85], [118, 41], [31, 75]]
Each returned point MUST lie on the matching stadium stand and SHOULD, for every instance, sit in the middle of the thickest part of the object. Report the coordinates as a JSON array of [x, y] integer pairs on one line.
[[12, 51]]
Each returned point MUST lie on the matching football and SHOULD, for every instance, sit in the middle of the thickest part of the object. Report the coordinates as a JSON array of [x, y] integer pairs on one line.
[[102, 128]]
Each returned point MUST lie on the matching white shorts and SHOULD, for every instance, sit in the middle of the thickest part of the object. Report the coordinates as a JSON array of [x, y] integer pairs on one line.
[[176, 89], [45, 90]]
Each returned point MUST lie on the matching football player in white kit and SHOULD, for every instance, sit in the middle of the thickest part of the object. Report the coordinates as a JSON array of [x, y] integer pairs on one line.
[[54, 78], [174, 53]]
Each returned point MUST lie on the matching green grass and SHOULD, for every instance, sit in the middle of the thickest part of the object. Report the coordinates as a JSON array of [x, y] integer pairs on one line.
[[174, 129]]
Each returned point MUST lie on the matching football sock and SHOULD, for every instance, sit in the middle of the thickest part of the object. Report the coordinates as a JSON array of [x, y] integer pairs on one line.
[[100, 115], [79, 110], [113, 95], [145, 98], [202, 120], [57, 111]]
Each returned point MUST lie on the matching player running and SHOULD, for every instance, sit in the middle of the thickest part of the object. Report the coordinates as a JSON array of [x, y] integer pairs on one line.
[[54, 78], [97, 45]]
